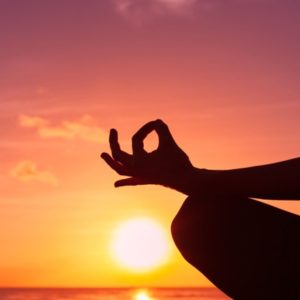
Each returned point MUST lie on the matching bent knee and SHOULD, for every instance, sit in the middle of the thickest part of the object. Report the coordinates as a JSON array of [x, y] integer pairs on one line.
[[193, 226], [181, 225]]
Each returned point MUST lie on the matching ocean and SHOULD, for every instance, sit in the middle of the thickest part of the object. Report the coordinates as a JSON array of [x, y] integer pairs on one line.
[[112, 294]]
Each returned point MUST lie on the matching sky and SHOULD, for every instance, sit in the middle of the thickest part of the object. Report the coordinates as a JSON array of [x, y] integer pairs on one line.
[[223, 74]]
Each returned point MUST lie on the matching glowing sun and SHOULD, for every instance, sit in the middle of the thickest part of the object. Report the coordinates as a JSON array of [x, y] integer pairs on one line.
[[140, 245]]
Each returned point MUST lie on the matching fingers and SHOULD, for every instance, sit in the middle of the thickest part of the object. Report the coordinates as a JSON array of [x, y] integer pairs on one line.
[[116, 151], [130, 182], [163, 132], [121, 170], [164, 135], [138, 138], [115, 165]]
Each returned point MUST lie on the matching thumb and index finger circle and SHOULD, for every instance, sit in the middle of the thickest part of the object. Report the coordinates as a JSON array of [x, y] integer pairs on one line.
[[162, 130]]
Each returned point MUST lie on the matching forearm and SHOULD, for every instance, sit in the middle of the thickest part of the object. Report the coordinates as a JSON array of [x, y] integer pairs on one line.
[[273, 181]]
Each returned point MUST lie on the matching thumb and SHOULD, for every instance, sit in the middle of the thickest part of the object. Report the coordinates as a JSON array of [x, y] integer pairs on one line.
[[130, 181]]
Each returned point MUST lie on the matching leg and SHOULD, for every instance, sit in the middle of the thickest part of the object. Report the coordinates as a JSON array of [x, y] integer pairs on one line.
[[248, 249]]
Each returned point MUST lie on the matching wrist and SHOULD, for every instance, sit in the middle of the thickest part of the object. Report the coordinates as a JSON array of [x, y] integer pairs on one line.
[[201, 181], [194, 181]]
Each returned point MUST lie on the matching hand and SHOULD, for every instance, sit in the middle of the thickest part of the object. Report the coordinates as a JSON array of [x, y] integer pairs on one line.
[[168, 165]]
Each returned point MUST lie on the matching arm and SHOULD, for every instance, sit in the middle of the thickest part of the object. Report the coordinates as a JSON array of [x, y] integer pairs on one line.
[[273, 181], [170, 166]]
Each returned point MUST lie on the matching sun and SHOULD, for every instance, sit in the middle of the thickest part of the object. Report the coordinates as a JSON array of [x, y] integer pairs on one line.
[[140, 245]]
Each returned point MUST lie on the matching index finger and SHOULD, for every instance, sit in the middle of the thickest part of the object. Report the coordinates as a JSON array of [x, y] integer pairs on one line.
[[162, 130], [139, 136]]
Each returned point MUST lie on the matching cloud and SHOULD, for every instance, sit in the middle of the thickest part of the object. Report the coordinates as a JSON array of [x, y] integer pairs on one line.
[[139, 10], [84, 129], [27, 171], [154, 5], [32, 122]]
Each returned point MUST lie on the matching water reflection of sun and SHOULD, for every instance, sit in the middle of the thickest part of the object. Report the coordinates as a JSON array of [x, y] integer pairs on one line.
[[142, 295]]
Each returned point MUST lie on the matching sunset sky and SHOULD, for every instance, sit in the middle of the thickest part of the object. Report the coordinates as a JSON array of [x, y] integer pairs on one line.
[[224, 74]]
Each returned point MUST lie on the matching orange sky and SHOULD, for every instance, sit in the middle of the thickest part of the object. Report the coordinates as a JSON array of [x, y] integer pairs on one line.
[[224, 75]]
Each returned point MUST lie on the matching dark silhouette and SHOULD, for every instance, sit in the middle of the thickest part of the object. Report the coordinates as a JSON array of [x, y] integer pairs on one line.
[[248, 249]]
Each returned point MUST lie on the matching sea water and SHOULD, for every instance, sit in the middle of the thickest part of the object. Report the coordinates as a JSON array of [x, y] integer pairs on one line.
[[113, 294]]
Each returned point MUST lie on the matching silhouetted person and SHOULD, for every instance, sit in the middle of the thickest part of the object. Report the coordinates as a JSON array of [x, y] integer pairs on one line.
[[248, 249]]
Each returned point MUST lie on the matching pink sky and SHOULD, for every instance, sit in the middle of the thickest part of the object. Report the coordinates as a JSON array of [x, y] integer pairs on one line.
[[223, 74]]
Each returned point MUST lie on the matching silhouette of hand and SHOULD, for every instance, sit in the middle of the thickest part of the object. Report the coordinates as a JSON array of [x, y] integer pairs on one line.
[[168, 165]]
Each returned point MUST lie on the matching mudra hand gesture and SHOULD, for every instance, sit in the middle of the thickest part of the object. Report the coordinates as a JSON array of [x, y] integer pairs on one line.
[[168, 165]]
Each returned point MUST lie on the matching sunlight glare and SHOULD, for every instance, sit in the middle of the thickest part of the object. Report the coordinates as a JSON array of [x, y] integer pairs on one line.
[[142, 295], [140, 245]]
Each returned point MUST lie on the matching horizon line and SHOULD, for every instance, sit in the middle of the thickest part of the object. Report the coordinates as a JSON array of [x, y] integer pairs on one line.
[[107, 287]]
